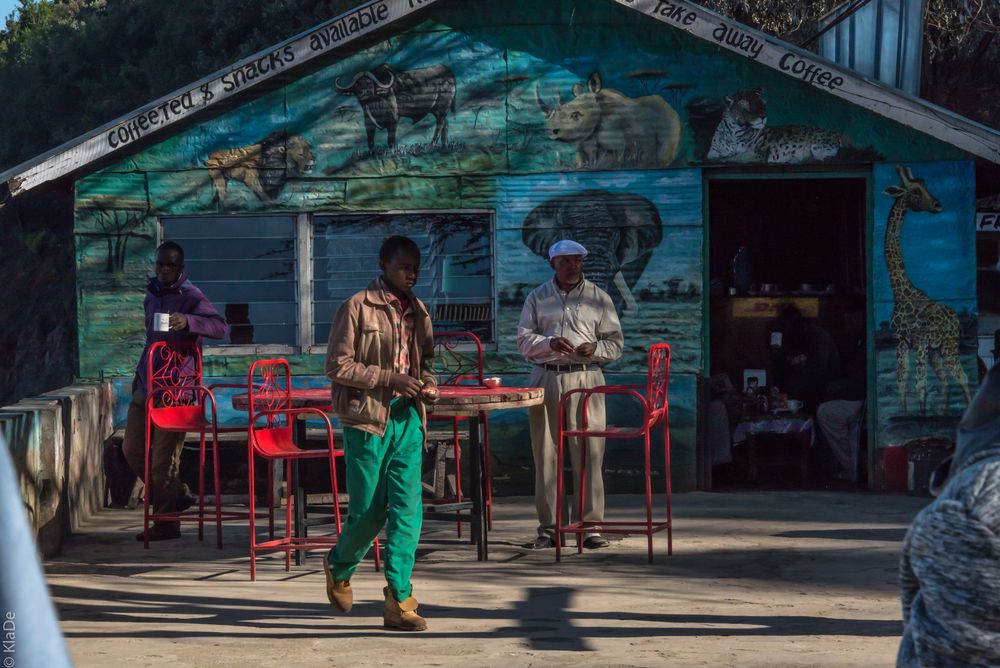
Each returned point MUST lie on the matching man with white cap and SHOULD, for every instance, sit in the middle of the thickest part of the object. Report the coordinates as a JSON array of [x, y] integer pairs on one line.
[[569, 328]]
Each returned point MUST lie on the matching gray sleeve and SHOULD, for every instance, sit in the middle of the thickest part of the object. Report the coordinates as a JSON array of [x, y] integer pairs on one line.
[[908, 583], [951, 583]]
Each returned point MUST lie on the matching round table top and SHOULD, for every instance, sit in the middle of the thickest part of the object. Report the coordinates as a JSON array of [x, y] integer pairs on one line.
[[453, 400]]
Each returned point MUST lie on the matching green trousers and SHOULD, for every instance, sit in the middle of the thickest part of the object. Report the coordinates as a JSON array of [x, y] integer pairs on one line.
[[383, 480]]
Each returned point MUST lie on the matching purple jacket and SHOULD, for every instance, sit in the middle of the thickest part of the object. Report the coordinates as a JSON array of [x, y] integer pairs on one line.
[[181, 297]]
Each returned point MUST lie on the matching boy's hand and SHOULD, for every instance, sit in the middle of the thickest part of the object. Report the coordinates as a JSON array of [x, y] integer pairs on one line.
[[586, 349], [404, 384], [178, 322], [429, 393]]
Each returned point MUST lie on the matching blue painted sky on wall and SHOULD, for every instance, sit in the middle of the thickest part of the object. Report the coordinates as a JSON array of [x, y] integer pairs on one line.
[[938, 249]]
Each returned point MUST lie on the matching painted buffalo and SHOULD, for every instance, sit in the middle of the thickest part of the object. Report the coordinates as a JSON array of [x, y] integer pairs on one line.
[[611, 129], [620, 231], [387, 95]]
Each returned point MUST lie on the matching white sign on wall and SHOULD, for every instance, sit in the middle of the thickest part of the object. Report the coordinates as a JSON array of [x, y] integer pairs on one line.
[[988, 221]]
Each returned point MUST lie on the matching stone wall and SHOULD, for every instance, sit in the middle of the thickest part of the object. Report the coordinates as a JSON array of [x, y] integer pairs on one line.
[[56, 441]]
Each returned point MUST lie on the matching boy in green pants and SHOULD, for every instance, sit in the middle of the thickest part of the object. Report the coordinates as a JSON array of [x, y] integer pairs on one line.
[[378, 361]]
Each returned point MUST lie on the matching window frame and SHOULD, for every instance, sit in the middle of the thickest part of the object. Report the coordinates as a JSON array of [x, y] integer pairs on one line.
[[303, 243], [320, 348], [237, 349]]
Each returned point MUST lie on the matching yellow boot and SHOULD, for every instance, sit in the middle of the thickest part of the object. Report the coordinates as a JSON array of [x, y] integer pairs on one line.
[[338, 591], [402, 616]]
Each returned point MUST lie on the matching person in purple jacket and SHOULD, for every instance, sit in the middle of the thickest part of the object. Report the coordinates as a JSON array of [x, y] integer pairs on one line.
[[192, 317]]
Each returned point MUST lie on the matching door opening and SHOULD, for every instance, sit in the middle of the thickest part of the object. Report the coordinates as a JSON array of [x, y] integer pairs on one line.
[[787, 340]]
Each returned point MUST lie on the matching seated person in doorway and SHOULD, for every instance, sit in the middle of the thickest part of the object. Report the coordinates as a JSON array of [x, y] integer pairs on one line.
[[839, 417], [192, 317], [379, 364], [568, 329], [803, 357], [949, 571]]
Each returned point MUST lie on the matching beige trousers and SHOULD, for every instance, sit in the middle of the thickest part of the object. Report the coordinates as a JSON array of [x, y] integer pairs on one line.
[[164, 456], [544, 419]]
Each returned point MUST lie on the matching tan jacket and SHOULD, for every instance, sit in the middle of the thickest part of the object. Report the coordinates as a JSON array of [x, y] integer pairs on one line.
[[359, 355]]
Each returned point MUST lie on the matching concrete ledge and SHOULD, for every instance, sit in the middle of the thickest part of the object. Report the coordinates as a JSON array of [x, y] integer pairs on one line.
[[56, 442]]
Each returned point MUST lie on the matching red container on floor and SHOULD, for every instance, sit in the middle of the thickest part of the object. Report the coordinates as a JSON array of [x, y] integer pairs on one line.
[[895, 469]]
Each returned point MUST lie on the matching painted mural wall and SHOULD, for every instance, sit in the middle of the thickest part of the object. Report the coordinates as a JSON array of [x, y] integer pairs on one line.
[[925, 298], [587, 120]]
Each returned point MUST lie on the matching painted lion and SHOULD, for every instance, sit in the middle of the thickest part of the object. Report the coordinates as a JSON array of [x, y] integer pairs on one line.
[[263, 167]]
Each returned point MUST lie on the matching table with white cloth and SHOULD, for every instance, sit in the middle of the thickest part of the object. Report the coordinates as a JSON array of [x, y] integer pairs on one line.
[[799, 430]]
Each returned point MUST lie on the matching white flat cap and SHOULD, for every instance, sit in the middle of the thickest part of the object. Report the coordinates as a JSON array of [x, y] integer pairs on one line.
[[566, 247]]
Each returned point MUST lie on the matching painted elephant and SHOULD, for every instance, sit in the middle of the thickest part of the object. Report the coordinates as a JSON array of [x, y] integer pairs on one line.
[[620, 231]]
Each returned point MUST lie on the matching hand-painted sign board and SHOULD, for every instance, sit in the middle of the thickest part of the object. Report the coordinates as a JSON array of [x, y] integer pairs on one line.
[[819, 73], [181, 104]]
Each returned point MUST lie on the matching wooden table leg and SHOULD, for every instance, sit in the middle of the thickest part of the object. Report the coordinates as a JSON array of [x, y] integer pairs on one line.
[[751, 445], [477, 468], [805, 441]]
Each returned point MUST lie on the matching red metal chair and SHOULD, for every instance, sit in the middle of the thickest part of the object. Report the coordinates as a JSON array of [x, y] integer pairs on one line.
[[458, 360], [270, 436], [176, 401], [655, 412]]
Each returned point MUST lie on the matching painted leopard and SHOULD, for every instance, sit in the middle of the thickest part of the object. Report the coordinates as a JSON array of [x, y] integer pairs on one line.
[[743, 136]]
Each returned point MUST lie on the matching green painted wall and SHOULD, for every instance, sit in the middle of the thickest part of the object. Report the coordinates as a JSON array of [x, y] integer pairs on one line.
[[518, 136]]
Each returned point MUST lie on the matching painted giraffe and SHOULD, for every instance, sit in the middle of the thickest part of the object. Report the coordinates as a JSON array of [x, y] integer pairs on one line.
[[925, 327]]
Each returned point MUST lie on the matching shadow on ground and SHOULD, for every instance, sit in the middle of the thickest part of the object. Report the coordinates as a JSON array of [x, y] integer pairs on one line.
[[544, 617]]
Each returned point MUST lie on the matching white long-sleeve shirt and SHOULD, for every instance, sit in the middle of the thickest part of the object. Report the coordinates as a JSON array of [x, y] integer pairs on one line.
[[583, 315]]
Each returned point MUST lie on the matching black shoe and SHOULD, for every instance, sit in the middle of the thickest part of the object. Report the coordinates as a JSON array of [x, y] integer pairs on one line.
[[185, 501], [161, 531], [595, 542], [541, 543]]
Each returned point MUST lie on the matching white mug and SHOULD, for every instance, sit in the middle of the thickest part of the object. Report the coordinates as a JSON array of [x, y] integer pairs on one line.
[[794, 405], [161, 322]]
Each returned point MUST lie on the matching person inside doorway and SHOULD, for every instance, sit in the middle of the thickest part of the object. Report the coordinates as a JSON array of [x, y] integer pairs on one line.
[[804, 357], [840, 415]]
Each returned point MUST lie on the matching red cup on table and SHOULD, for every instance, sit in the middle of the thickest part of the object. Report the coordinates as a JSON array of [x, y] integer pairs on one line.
[[492, 381]]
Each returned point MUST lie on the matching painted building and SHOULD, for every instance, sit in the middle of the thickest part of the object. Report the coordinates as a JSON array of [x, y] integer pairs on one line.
[[660, 135]]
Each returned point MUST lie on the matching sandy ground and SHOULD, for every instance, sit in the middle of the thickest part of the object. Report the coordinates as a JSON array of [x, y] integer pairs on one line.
[[756, 579]]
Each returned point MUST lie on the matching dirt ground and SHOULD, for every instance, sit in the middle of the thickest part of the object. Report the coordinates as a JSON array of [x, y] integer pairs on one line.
[[756, 579]]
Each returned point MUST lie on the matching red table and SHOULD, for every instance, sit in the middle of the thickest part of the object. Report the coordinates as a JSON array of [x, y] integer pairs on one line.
[[471, 401]]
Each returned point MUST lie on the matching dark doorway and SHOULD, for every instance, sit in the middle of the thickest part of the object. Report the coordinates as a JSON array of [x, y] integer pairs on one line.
[[787, 308]]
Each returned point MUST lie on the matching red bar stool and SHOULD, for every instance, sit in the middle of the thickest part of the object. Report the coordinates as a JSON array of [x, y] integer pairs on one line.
[[655, 412], [176, 401], [458, 360], [271, 426]]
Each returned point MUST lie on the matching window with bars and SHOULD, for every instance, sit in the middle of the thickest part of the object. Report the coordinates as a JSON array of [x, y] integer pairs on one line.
[[246, 266], [456, 267], [280, 287]]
